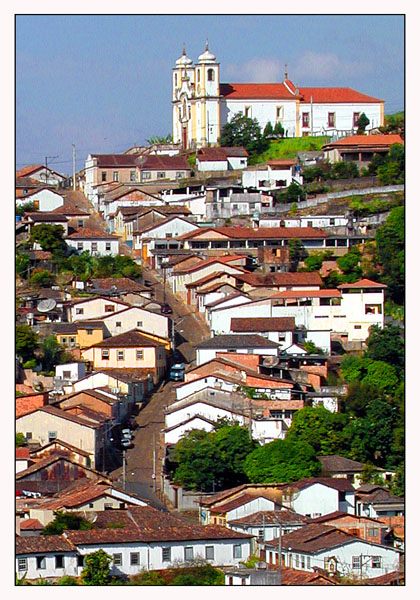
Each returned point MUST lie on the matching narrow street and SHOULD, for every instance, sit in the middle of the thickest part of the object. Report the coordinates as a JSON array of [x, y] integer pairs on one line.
[[146, 456]]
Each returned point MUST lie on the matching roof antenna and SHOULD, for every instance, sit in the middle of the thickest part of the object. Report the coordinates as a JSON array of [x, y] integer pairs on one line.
[[207, 44], [184, 53], [285, 71]]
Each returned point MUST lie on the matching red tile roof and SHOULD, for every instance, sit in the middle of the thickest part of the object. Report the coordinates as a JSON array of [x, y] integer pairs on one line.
[[28, 170], [43, 543], [369, 140], [334, 95], [22, 453], [365, 283], [221, 154], [281, 279], [337, 483], [271, 517], [308, 294], [313, 538], [160, 161], [259, 324], [86, 233], [244, 233], [115, 160], [30, 525], [274, 91], [129, 339]]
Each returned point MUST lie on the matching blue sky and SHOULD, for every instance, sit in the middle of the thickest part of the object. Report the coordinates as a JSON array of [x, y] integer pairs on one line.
[[103, 83]]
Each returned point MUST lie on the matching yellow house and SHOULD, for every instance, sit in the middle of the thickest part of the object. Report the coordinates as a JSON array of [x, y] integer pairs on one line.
[[81, 334], [130, 350]]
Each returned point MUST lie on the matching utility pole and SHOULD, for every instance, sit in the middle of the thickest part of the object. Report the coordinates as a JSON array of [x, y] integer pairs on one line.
[[154, 463], [74, 167], [123, 473], [280, 561], [46, 166], [312, 117]]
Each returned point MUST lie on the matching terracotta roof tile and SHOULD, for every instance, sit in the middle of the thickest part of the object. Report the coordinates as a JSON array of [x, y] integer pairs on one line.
[[281, 279], [362, 283], [327, 95], [256, 91], [86, 233], [43, 543], [30, 525], [313, 538], [272, 517], [129, 339], [237, 341], [221, 154], [259, 324], [368, 140]]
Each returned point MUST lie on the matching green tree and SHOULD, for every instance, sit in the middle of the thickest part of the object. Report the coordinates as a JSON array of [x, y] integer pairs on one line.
[[319, 428], [50, 238], [350, 264], [67, 580], [279, 129], [149, 578], [398, 481], [313, 262], [390, 245], [160, 139], [297, 250], [28, 207], [97, 568], [282, 461], [22, 264], [26, 342], [362, 123], [20, 440], [268, 130], [246, 132], [52, 353], [386, 344], [41, 278], [65, 520]]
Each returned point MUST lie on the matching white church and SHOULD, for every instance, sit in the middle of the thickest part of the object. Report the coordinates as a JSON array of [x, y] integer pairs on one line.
[[202, 105]]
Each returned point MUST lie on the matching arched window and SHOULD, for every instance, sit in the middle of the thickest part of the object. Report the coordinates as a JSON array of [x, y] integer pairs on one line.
[[176, 80], [198, 75], [210, 75]]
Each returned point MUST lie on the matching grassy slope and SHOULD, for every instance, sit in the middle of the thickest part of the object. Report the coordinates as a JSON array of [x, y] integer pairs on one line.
[[288, 147]]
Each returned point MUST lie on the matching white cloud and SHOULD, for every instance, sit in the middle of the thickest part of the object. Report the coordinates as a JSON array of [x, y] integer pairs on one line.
[[263, 70], [326, 67]]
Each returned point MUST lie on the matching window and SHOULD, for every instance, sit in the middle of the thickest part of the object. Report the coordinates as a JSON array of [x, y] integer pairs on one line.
[[230, 580], [210, 75], [243, 581], [120, 355], [115, 175], [308, 562], [139, 354], [358, 327], [63, 340], [297, 561], [305, 119], [72, 340], [166, 555], [80, 223], [134, 558], [355, 562], [103, 175], [80, 245], [118, 324], [146, 175], [94, 246], [247, 111], [89, 331], [302, 561], [139, 323], [373, 309], [356, 119], [28, 435], [41, 562], [117, 558], [279, 112], [52, 435], [80, 560], [105, 354], [132, 176], [161, 174], [22, 564], [376, 562], [180, 174], [59, 562], [109, 308], [331, 119], [209, 552], [79, 311], [237, 551], [188, 553], [176, 80], [373, 531]]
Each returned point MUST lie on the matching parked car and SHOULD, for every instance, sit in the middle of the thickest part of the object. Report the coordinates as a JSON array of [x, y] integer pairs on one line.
[[177, 372], [166, 309]]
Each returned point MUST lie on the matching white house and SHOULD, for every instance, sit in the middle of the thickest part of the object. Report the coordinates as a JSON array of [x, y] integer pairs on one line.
[[275, 329], [243, 344], [144, 239], [97, 243], [45, 199], [320, 546], [135, 317], [320, 496], [265, 524], [94, 308], [222, 159], [273, 175]]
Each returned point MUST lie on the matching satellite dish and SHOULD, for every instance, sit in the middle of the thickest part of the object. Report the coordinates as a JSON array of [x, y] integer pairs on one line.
[[46, 305], [271, 361]]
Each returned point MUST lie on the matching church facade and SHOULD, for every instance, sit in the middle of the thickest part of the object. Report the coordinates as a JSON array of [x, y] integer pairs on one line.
[[202, 105]]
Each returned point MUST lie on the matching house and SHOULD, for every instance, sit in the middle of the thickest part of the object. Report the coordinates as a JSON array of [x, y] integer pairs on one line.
[[271, 575], [130, 350], [87, 430], [115, 286], [320, 546], [149, 539], [317, 496], [276, 329], [106, 168], [96, 242], [100, 400], [84, 496], [45, 218], [56, 446], [376, 502], [366, 528], [281, 282], [360, 148], [236, 204], [244, 344], [41, 173], [126, 382], [23, 459], [145, 238], [242, 506], [265, 524], [80, 334], [158, 167], [93, 308], [136, 317], [273, 175], [339, 466], [222, 159], [77, 217], [112, 199], [44, 199], [52, 474]]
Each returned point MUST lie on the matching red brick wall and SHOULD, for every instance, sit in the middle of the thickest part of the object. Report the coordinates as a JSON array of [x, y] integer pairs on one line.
[[396, 523], [30, 402]]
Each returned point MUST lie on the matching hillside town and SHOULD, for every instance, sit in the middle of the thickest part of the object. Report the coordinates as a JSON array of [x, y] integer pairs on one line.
[[210, 346]]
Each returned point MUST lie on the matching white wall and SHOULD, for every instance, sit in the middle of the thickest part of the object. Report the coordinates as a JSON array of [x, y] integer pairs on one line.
[[137, 318], [250, 508], [70, 566], [318, 500], [48, 200], [107, 247], [262, 110], [77, 370], [93, 309]]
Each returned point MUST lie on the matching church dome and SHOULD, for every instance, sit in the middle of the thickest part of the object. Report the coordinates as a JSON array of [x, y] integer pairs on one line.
[[184, 61], [207, 56]]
